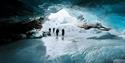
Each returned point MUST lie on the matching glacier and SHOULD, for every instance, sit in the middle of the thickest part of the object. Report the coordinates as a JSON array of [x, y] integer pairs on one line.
[[78, 46]]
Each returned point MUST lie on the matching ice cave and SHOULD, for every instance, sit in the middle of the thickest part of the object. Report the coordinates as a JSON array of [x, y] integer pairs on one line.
[[62, 31]]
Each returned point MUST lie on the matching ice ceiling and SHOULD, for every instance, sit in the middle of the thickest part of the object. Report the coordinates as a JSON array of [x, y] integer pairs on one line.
[[110, 12]]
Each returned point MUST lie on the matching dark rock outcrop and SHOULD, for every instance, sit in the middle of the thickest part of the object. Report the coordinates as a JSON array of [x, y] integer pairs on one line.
[[13, 31]]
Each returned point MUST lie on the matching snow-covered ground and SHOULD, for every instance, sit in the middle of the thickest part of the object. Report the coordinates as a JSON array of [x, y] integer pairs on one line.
[[79, 45]]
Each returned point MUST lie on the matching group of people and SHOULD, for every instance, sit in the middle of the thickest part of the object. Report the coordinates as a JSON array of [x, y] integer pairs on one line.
[[57, 31]]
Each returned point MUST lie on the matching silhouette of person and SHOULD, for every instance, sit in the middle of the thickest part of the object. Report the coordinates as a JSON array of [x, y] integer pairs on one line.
[[57, 33], [63, 33], [53, 30], [49, 32]]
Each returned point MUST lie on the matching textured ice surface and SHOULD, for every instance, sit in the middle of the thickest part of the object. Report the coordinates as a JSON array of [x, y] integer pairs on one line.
[[23, 51]]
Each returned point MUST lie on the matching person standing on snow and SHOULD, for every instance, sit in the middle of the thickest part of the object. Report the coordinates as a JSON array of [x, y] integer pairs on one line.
[[49, 34], [53, 30], [57, 33], [63, 33]]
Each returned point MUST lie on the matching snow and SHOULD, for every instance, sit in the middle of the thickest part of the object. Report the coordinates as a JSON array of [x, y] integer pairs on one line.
[[76, 47]]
